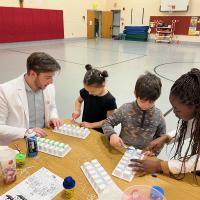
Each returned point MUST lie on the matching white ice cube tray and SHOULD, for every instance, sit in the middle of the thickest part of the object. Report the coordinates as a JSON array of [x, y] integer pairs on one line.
[[97, 176], [122, 169], [72, 130], [53, 147]]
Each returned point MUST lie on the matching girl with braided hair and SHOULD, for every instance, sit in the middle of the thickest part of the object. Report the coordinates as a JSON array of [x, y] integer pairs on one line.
[[98, 101], [185, 100]]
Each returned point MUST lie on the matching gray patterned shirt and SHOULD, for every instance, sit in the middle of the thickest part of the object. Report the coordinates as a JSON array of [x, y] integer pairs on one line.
[[36, 107], [138, 127]]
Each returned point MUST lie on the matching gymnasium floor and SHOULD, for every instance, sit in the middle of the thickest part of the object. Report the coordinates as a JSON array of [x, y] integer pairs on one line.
[[124, 61]]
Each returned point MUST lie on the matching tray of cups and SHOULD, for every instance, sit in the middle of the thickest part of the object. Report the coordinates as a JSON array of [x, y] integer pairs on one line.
[[97, 176], [122, 170], [53, 147], [72, 130]]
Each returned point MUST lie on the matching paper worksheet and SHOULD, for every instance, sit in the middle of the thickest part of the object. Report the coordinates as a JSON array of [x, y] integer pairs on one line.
[[42, 185]]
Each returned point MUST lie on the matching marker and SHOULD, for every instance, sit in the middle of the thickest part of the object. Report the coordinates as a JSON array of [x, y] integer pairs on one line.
[[17, 147], [73, 120], [9, 197], [22, 197]]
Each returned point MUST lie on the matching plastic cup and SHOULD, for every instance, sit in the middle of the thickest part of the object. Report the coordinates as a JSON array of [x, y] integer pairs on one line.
[[8, 165], [143, 192]]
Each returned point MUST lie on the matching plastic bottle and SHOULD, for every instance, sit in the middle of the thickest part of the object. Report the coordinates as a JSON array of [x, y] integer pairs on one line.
[[31, 143], [69, 185]]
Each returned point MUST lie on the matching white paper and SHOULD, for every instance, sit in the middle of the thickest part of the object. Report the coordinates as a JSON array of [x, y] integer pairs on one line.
[[42, 185]]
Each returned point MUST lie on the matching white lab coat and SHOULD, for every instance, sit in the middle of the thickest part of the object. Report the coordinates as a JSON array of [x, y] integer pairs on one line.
[[14, 113]]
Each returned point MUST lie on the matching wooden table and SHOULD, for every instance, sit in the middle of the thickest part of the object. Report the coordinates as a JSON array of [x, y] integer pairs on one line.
[[96, 146]]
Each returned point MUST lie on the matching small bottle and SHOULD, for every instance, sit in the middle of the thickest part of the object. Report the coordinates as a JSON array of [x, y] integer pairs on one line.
[[20, 159], [69, 185], [31, 143]]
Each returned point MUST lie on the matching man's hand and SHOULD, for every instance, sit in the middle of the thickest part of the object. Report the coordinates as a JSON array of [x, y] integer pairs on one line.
[[55, 122], [40, 132]]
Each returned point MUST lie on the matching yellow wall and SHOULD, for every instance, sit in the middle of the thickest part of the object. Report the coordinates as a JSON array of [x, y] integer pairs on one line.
[[151, 8], [75, 26]]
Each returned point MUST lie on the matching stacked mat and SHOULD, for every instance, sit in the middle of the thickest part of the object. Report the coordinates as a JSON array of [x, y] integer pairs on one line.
[[137, 33]]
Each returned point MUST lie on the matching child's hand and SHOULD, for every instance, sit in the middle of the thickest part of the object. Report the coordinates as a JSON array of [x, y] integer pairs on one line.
[[155, 145], [116, 141], [148, 153], [86, 124], [75, 115]]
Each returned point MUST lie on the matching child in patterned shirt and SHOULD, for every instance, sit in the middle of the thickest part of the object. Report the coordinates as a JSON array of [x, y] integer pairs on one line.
[[141, 122]]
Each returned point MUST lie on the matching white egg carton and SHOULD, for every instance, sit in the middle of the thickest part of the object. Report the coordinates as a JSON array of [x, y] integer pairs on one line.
[[72, 130], [122, 169], [97, 176], [53, 147]]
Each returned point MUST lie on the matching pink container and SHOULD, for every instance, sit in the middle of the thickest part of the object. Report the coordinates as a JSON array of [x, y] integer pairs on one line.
[[142, 192]]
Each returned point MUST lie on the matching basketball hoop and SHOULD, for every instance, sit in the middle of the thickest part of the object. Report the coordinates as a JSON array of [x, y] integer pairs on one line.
[[172, 8]]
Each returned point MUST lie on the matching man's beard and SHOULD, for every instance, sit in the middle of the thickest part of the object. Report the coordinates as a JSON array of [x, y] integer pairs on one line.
[[38, 84]]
